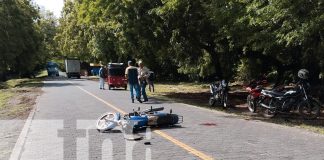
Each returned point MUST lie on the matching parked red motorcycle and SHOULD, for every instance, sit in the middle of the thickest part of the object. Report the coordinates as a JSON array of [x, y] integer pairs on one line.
[[254, 88]]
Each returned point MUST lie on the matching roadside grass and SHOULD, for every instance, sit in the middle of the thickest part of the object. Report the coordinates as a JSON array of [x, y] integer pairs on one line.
[[4, 97], [17, 96], [197, 94]]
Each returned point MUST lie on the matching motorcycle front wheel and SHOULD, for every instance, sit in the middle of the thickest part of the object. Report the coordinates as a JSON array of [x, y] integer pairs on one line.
[[224, 100], [212, 101], [266, 112], [309, 109], [106, 122], [251, 104]]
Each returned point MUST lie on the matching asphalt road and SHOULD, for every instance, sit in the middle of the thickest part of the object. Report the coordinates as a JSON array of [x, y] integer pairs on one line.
[[63, 127]]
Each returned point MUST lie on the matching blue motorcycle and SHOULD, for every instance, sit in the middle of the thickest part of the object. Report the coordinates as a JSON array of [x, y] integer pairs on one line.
[[137, 120]]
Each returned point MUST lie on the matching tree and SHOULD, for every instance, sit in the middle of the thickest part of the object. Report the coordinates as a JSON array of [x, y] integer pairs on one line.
[[20, 39]]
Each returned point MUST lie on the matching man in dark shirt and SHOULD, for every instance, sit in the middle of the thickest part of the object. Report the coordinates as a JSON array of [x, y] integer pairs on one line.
[[131, 73]]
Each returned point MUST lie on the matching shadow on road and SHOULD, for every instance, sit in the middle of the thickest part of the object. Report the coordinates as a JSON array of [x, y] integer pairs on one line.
[[166, 127], [113, 131], [60, 84], [60, 81], [152, 102]]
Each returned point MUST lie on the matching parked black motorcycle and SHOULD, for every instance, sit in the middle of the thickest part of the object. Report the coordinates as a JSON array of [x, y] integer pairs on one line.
[[219, 94], [296, 99]]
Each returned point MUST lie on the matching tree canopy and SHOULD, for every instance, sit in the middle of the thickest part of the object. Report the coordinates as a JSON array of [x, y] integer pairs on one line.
[[196, 38], [178, 39], [26, 37]]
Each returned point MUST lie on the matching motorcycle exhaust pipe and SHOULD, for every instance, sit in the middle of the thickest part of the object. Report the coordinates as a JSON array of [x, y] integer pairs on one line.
[[265, 106]]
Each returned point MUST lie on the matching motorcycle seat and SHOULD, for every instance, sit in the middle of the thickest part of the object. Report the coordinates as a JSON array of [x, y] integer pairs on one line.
[[274, 93]]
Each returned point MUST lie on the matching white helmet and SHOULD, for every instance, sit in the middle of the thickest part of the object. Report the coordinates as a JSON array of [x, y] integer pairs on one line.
[[303, 74]]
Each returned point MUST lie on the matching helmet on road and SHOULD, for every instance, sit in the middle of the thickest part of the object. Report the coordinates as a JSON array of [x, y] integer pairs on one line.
[[303, 74]]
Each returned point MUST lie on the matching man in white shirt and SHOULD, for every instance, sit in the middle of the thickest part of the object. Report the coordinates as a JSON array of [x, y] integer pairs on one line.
[[143, 74]]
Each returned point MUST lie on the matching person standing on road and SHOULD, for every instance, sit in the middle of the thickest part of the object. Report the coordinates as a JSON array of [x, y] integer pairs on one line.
[[131, 73], [142, 77], [102, 77]]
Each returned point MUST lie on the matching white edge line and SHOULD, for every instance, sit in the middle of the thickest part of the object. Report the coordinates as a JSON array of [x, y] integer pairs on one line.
[[17, 151]]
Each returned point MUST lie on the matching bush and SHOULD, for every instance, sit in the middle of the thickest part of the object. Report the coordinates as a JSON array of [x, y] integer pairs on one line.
[[247, 70]]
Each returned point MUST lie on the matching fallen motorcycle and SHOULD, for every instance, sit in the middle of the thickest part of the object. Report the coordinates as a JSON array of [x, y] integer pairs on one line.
[[219, 94], [137, 120]]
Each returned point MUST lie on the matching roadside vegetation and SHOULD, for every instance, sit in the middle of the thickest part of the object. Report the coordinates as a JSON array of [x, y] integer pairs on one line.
[[18, 96]]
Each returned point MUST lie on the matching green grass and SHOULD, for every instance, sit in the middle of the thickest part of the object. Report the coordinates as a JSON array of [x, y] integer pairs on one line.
[[165, 88], [319, 129], [4, 97], [24, 82], [14, 88], [21, 83], [41, 74]]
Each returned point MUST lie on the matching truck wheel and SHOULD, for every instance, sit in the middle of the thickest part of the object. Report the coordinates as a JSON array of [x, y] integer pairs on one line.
[[125, 87], [109, 87]]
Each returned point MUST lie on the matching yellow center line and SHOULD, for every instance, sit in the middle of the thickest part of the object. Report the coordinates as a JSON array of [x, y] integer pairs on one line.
[[103, 101], [161, 133]]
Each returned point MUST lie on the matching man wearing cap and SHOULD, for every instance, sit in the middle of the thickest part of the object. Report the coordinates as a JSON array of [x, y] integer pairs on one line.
[[142, 77], [131, 73]]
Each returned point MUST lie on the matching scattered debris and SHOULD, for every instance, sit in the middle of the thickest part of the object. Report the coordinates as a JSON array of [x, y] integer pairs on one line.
[[147, 143]]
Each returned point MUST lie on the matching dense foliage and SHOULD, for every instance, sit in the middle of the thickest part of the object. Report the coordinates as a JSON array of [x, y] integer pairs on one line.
[[178, 39], [26, 37], [199, 38]]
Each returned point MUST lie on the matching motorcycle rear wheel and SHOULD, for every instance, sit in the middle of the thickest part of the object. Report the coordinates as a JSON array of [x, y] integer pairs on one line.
[[251, 104], [309, 109]]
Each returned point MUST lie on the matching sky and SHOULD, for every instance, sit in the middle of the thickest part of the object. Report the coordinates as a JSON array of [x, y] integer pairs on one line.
[[54, 6]]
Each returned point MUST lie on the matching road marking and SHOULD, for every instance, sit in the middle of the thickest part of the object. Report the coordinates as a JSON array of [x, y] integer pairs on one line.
[[161, 133], [101, 100], [183, 145], [17, 151]]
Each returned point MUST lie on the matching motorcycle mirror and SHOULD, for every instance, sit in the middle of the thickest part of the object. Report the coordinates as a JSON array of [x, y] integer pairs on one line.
[[170, 111], [139, 108]]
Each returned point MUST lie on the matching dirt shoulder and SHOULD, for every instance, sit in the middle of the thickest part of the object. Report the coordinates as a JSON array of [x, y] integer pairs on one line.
[[198, 94], [17, 99]]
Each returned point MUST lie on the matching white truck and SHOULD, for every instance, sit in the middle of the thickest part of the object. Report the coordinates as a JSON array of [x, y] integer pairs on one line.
[[72, 68]]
